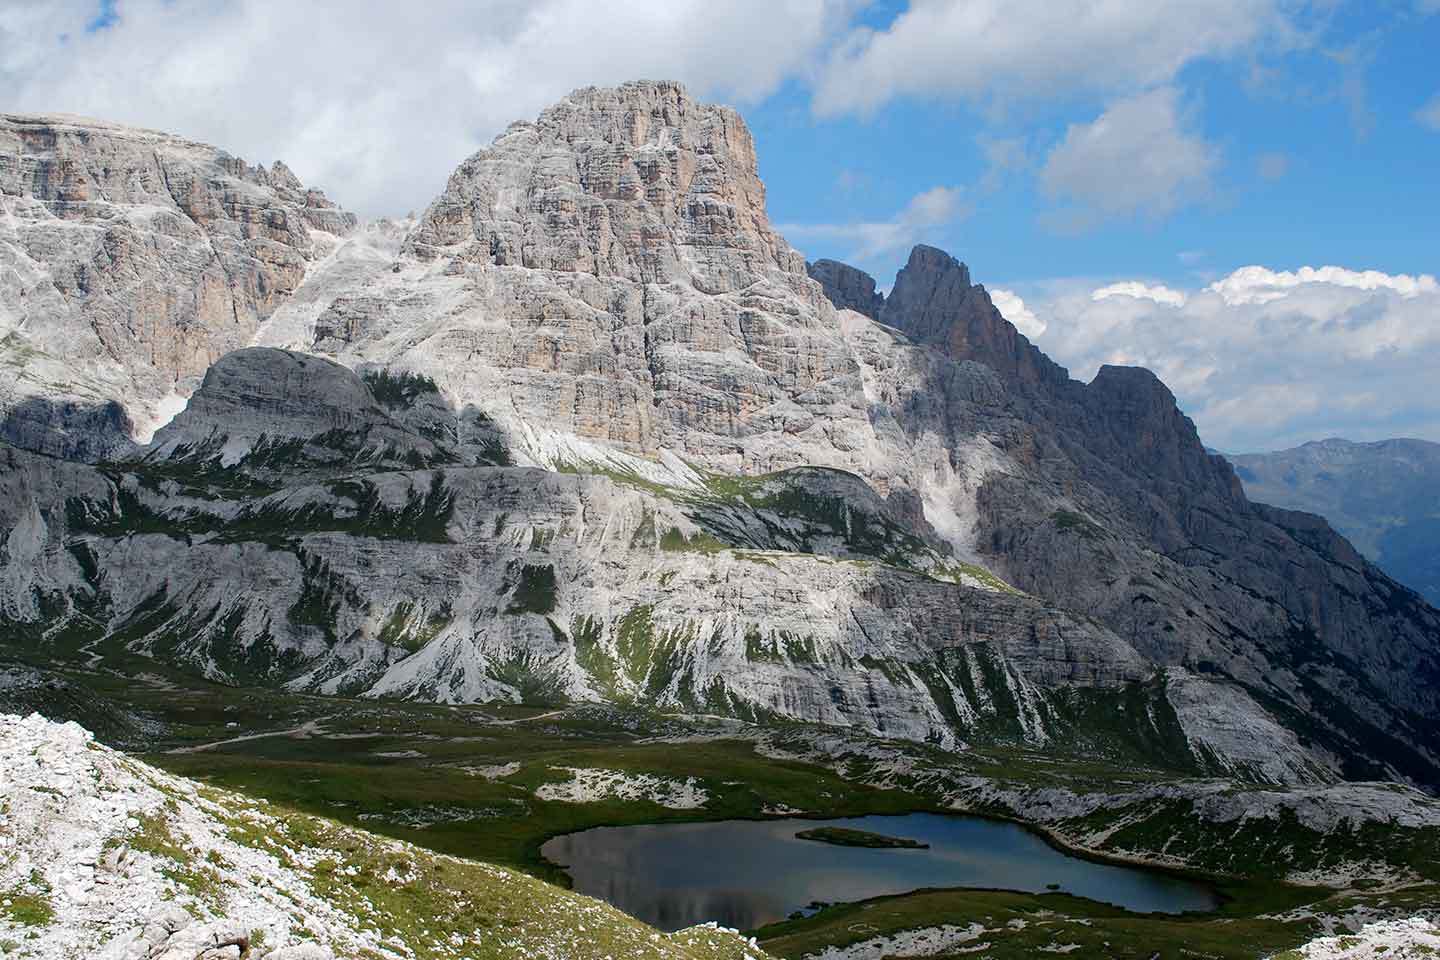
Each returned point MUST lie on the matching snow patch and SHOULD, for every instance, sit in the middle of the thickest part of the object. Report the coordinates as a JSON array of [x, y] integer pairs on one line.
[[159, 414]]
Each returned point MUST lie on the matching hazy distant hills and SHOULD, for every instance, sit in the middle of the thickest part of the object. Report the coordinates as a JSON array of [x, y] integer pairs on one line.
[[1384, 496]]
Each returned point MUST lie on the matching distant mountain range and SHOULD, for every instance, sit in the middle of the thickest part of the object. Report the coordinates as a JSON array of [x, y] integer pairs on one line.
[[1384, 496]]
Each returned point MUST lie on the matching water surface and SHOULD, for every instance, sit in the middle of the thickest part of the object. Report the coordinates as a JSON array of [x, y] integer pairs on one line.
[[745, 873]]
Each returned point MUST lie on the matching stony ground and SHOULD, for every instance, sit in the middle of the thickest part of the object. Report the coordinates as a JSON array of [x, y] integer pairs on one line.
[[1393, 939], [102, 855]]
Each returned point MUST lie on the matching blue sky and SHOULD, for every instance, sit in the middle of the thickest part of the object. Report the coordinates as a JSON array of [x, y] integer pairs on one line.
[[1333, 191], [1242, 195]]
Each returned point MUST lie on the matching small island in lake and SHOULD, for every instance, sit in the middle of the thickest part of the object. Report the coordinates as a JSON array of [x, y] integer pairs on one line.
[[845, 837]]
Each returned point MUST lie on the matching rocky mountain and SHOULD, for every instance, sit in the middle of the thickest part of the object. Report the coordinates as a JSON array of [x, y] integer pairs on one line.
[[588, 429], [1381, 496], [130, 261]]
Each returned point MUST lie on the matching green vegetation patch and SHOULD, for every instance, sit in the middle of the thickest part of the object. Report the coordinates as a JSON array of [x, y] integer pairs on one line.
[[536, 591], [1021, 925], [673, 540], [1078, 524], [28, 905], [155, 837], [398, 389], [846, 837]]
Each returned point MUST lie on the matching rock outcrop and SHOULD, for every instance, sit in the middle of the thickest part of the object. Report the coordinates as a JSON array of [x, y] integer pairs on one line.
[[847, 287], [607, 275], [755, 597]]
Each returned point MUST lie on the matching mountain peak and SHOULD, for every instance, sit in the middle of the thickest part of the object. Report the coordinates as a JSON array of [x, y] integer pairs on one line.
[[934, 301], [924, 257], [638, 181]]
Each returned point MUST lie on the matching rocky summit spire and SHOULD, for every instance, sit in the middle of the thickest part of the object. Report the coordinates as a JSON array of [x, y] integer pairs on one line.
[[934, 302], [638, 181], [1124, 416]]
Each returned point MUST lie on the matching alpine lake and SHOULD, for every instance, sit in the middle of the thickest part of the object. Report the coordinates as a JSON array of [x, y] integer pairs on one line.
[[749, 873]]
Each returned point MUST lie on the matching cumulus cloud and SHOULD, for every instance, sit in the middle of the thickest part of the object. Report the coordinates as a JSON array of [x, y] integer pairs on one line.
[[1013, 308], [1256, 284], [868, 240], [1429, 115], [1136, 158], [374, 103], [1158, 293], [978, 49], [1263, 359]]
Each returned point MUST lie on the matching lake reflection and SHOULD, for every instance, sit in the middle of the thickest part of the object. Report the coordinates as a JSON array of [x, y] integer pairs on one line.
[[746, 874]]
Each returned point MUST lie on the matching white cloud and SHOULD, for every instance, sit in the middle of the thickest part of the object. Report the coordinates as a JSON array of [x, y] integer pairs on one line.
[[1263, 359], [1429, 115], [868, 240], [1158, 293], [1012, 308], [1135, 158], [978, 49], [1260, 285], [375, 104]]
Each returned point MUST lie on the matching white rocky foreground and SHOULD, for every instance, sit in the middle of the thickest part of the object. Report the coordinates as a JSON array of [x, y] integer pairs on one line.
[[102, 856], [1391, 939], [592, 786], [925, 942]]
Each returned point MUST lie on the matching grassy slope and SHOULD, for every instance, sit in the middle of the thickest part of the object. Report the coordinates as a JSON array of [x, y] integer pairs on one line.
[[343, 775], [1020, 925]]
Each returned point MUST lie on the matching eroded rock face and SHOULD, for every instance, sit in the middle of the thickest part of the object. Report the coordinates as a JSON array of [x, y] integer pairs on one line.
[[1121, 512], [476, 583], [608, 273], [136, 259], [934, 301], [847, 287], [639, 182]]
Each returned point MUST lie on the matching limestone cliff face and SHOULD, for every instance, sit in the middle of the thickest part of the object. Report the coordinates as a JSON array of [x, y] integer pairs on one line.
[[639, 182], [131, 260], [608, 274], [759, 598]]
